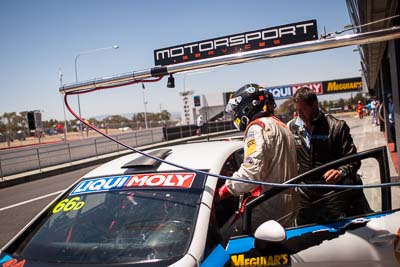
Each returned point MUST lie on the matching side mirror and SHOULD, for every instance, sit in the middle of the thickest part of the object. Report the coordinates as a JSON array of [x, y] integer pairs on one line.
[[270, 231]]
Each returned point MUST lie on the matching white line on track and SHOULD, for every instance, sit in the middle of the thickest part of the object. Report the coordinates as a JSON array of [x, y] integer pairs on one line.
[[31, 200]]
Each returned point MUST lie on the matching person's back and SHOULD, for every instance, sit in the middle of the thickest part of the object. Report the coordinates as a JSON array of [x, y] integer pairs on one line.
[[269, 151], [272, 160]]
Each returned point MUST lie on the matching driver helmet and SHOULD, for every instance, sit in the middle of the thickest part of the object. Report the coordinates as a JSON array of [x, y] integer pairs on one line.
[[247, 101]]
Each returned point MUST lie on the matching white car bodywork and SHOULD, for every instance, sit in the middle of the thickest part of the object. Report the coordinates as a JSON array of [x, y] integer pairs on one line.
[[370, 240], [208, 156]]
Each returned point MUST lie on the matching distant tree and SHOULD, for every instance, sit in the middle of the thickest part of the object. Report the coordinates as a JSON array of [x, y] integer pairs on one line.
[[325, 104], [359, 97], [165, 115], [95, 122], [341, 102], [286, 107], [116, 121]]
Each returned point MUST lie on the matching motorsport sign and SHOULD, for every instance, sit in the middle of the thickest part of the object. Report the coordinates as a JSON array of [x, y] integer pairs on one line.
[[242, 42]]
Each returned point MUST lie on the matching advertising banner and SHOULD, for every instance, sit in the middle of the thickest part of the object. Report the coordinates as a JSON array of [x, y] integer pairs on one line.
[[236, 43], [325, 87], [315, 86], [343, 85], [280, 92]]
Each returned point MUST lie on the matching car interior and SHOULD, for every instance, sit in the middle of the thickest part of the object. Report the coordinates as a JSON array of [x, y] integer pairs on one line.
[[233, 216]]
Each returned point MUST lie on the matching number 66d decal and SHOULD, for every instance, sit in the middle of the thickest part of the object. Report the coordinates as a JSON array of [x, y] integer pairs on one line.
[[69, 204]]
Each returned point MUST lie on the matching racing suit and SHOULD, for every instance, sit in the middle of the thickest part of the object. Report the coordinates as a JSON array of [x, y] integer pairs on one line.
[[269, 155], [330, 140]]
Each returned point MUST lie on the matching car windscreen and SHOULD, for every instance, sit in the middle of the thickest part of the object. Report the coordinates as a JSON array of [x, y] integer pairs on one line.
[[116, 226]]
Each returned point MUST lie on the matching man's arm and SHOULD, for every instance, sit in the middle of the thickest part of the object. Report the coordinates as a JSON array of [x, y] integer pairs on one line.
[[253, 162], [347, 147]]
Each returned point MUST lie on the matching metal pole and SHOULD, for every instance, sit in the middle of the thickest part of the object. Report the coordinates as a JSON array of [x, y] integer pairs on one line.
[[95, 146], [79, 102], [38, 157], [145, 107], [243, 57], [62, 100], [69, 154], [1, 171], [76, 75]]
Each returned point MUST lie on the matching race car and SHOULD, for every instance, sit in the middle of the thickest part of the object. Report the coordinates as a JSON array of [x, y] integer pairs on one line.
[[139, 211]]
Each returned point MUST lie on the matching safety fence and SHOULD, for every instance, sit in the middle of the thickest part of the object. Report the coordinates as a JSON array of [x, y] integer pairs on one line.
[[37, 157]]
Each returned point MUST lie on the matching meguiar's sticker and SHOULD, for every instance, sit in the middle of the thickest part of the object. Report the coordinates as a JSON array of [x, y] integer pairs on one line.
[[69, 204], [177, 180], [269, 260], [250, 147]]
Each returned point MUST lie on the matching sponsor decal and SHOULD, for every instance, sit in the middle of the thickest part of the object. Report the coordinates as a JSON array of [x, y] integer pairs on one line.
[[69, 204], [270, 260], [323, 87], [180, 180], [14, 263], [5, 258], [280, 92], [250, 135], [248, 162], [251, 89], [316, 87], [344, 85], [242, 42], [251, 147]]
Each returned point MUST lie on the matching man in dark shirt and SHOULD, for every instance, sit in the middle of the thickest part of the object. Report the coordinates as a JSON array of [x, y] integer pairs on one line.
[[320, 139]]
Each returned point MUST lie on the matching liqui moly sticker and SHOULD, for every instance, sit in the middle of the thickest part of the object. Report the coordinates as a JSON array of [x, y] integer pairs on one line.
[[176, 180]]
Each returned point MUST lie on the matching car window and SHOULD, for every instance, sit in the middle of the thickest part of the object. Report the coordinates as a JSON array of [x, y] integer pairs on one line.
[[116, 227], [232, 163]]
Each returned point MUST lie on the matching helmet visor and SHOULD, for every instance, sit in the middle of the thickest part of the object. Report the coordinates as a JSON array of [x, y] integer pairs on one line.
[[233, 104]]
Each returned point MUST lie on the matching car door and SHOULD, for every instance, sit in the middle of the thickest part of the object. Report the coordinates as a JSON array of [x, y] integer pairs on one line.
[[369, 238]]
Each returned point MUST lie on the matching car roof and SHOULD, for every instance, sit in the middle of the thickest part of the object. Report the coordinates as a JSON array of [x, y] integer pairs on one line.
[[201, 155]]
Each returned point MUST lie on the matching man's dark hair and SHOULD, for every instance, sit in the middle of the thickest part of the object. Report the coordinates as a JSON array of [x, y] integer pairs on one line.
[[305, 94]]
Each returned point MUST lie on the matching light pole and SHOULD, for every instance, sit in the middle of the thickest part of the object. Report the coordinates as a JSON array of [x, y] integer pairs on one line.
[[76, 73], [65, 117], [145, 107]]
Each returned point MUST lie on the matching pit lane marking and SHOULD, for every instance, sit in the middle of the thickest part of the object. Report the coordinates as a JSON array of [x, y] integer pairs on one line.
[[31, 200]]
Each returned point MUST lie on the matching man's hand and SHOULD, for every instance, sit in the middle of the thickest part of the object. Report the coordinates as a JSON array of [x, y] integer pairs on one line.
[[332, 176]]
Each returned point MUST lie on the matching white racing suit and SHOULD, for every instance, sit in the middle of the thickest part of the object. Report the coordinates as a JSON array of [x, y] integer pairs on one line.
[[269, 155]]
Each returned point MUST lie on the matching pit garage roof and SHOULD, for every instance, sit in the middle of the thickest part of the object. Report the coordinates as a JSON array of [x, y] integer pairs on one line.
[[366, 11]]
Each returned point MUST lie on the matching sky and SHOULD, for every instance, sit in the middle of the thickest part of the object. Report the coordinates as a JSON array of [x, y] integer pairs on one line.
[[40, 39]]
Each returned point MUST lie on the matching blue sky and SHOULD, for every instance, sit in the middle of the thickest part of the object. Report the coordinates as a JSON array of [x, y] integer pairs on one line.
[[39, 38]]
